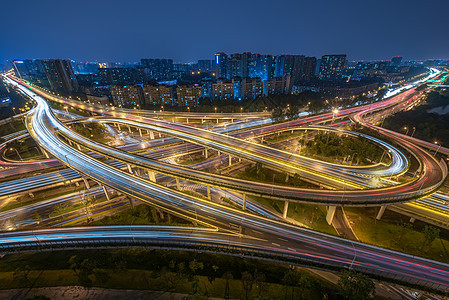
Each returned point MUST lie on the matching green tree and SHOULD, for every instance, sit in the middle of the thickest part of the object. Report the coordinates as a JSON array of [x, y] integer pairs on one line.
[[22, 274], [430, 234], [259, 281], [291, 279], [356, 286], [82, 268], [247, 283], [227, 277]]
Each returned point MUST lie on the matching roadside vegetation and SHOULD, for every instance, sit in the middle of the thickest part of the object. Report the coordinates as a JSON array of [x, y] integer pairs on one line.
[[395, 232], [142, 215], [344, 148], [421, 123], [200, 275]]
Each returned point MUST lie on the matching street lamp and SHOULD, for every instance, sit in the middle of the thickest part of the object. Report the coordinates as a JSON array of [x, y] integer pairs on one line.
[[14, 149], [334, 112], [406, 130], [67, 110], [439, 146]]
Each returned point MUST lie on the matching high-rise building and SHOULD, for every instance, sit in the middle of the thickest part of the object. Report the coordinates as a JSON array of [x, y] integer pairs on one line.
[[309, 68], [188, 95], [223, 89], [158, 94], [234, 67], [122, 76], [274, 86], [28, 68], [396, 61], [207, 89], [206, 65], [221, 65], [127, 95], [331, 66], [267, 67], [290, 64], [20, 69], [157, 69], [251, 88], [60, 75]]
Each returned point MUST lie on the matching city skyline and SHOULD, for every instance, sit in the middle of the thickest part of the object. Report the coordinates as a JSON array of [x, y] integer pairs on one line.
[[187, 32]]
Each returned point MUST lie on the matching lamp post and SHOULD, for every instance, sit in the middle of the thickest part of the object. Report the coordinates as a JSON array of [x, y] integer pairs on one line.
[[334, 112], [14, 149], [67, 110], [406, 130], [439, 146]]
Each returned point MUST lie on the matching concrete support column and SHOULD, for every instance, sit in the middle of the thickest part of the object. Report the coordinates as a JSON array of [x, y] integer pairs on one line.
[[205, 152], [86, 183], [129, 129], [151, 135], [244, 201], [106, 193], [118, 126], [45, 153], [284, 214], [130, 170], [230, 160], [78, 146], [187, 120], [151, 176], [208, 192], [217, 120], [330, 214], [140, 132], [160, 135], [177, 183], [381, 212]]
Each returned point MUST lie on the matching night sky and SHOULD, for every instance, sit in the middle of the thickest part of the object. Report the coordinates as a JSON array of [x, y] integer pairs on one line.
[[187, 30]]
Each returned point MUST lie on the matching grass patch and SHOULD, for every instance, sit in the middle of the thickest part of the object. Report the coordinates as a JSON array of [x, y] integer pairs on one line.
[[311, 215], [141, 215], [395, 232], [202, 274]]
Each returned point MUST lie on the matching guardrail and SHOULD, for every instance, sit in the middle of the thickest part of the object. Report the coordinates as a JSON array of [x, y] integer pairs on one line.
[[221, 247]]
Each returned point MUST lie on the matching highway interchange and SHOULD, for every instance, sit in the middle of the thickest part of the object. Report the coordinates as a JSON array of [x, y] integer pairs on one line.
[[241, 231]]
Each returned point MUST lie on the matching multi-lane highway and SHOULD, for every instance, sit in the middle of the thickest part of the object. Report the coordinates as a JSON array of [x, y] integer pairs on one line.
[[257, 235]]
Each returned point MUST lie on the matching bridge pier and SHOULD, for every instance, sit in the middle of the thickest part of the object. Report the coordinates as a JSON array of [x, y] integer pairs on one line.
[[177, 183], [106, 192], [45, 153], [140, 132], [129, 129], [381, 212], [330, 214], [86, 183], [284, 214], [205, 152], [187, 120], [244, 201], [208, 193], [118, 126], [230, 160], [151, 135], [151, 176], [129, 168]]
